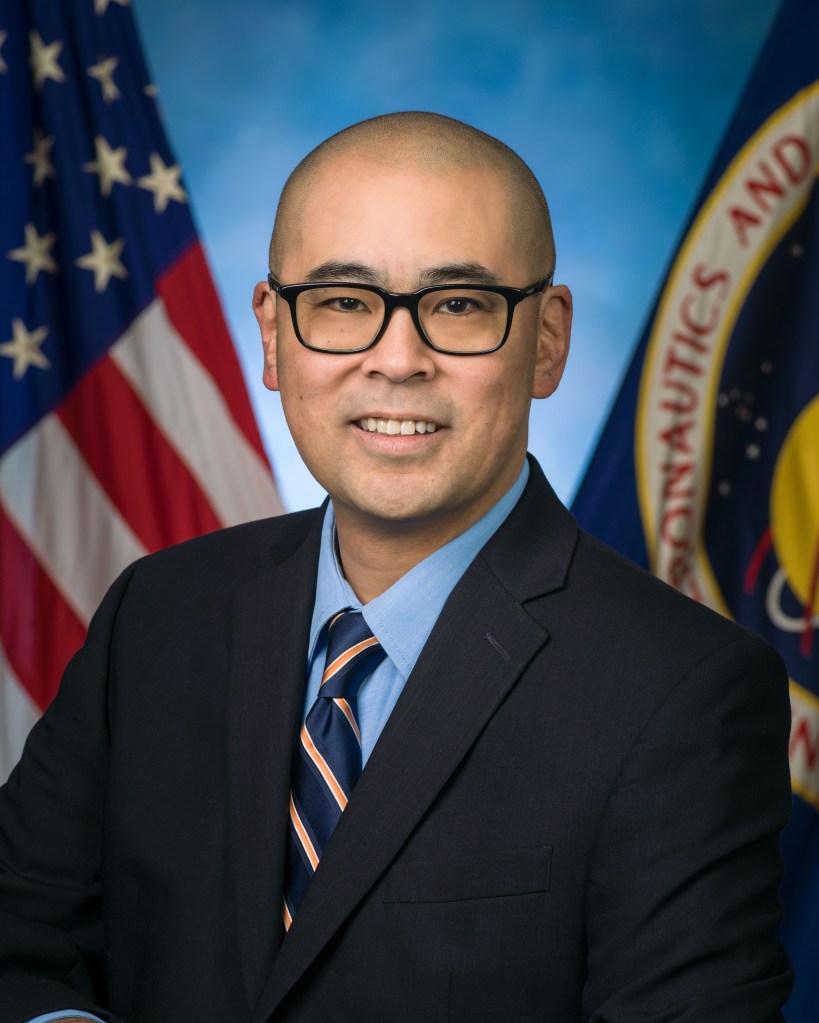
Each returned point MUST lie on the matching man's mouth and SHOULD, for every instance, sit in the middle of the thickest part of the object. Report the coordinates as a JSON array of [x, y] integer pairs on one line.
[[396, 427]]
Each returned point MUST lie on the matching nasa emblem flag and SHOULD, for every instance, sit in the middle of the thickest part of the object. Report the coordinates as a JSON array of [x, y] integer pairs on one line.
[[712, 446]]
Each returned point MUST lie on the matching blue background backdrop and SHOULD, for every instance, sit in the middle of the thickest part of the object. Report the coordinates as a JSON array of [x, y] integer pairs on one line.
[[617, 105]]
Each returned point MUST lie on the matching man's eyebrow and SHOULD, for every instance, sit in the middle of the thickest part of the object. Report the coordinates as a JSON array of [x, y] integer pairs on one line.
[[457, 273], [334, 270], [360, 273]]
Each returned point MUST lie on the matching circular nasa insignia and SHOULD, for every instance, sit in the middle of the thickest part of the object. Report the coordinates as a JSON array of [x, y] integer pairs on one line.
[[727, 429]]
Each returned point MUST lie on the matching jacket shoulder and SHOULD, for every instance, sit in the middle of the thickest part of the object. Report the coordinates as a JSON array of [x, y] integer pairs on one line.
[[658, 617], [237, 550]]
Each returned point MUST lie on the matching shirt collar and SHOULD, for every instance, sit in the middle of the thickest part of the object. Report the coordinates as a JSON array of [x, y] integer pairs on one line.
[[403, 616]]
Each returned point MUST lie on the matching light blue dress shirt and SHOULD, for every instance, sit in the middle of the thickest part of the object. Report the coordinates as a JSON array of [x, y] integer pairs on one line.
[[401, 618]]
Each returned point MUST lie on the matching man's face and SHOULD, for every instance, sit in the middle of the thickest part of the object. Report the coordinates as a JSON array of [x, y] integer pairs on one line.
[[402, 226]]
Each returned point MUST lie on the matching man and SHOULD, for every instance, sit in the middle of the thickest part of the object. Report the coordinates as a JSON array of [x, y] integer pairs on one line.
[[573, 777]]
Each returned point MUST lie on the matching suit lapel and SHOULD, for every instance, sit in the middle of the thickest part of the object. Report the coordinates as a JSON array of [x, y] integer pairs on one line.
[[482, 643], [271, 622]]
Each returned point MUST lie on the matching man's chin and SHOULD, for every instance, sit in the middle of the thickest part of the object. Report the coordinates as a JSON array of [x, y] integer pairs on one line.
[[422, 521]]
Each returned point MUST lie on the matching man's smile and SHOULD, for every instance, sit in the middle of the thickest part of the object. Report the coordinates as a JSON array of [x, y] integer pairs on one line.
[[396, 427]]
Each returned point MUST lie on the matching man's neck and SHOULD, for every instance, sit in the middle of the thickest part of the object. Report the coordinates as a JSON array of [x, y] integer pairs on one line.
[[373, 561], [374, 557], [374, 552]]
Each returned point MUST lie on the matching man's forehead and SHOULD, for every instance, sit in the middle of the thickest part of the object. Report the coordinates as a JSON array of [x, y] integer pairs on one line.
[[405, 220], [339, 172]]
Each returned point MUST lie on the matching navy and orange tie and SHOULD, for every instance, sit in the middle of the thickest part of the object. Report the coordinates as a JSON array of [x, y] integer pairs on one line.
[[327, 761]]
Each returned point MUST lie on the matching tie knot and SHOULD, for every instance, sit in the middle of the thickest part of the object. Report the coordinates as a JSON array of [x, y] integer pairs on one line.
[[352, 653]]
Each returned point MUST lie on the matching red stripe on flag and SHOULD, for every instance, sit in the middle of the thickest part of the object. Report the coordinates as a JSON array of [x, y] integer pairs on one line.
[[755, 564], [194, 309], [40, 632], [142, 474]]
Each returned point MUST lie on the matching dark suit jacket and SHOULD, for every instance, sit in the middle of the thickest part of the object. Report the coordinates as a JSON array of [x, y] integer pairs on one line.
[[571, 814]]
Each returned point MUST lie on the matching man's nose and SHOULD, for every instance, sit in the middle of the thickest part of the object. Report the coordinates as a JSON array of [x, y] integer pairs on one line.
[[401, 353]]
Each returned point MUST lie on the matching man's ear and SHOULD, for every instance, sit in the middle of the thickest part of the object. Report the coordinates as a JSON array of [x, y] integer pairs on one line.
[[554, 334], [264, 308]]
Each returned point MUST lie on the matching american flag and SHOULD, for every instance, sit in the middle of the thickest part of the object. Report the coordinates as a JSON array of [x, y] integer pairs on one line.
[[124, 421]]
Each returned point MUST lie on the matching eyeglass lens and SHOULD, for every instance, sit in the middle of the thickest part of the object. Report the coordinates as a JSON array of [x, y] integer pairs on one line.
[[344, 319]]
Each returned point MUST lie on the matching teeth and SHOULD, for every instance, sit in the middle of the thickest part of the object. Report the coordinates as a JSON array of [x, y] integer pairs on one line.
[[395, 427]]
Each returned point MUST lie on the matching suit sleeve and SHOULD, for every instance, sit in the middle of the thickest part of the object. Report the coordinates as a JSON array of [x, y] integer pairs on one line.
[[51, 815], [682, 903]]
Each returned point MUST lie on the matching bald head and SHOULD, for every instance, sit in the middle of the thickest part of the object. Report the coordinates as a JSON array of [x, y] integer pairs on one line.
[[433, 144]]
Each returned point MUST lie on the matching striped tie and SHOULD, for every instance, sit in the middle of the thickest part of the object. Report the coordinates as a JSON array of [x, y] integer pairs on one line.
[[327, 761]]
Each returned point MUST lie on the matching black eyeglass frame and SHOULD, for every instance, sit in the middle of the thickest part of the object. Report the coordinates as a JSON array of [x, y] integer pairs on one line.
[[407, 300]]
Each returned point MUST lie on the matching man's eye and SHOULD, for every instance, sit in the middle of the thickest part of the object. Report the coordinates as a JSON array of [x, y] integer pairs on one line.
[[347, 304], [457, 306]]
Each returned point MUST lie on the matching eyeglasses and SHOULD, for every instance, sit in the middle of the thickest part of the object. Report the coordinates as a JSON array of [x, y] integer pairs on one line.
[[454, 319]]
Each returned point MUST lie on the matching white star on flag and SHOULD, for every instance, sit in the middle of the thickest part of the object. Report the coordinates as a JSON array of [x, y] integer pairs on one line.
[[3, 37], [43, 60], [104, 260], [104, 73], [163, 182], [101, 6], [109, 165], [35, 253], [40, 158], [24, 348]]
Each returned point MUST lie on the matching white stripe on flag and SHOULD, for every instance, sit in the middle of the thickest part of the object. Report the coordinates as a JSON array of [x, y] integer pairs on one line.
[[191, 411], [65, 516], [18, 712]]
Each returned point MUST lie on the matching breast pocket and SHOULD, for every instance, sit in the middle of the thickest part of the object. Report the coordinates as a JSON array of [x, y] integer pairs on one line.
[[490, 875], [476, 928]]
